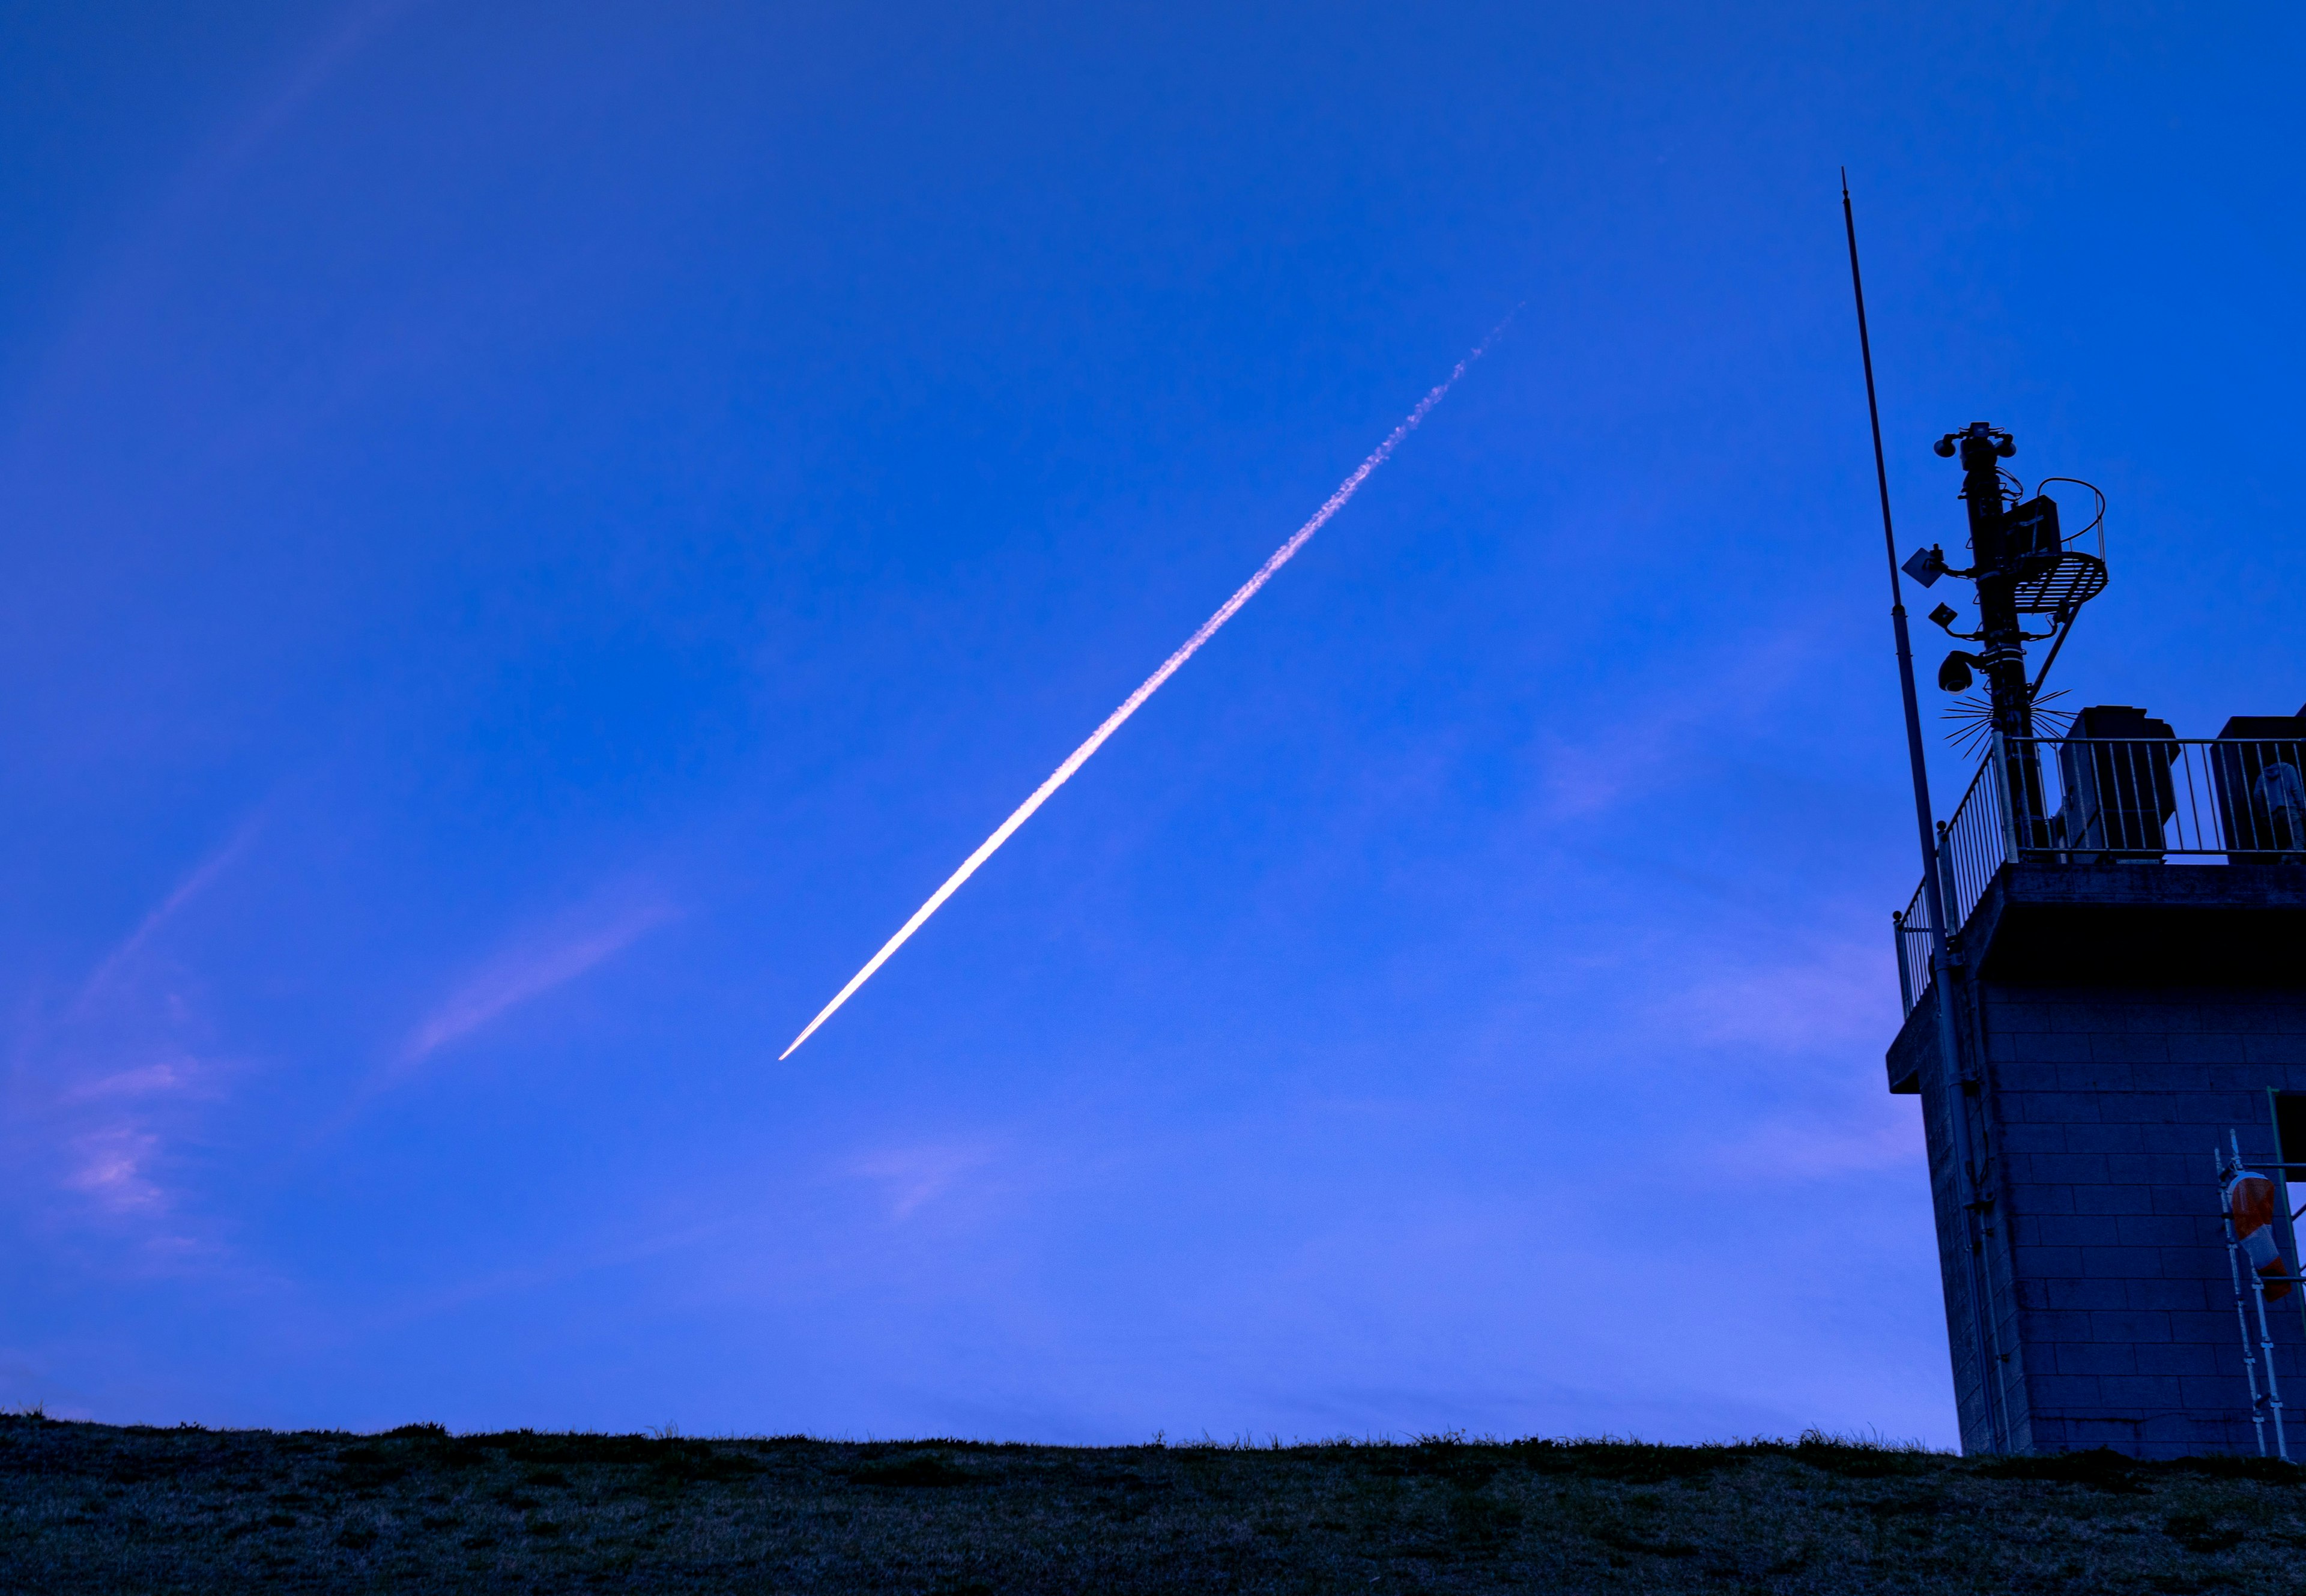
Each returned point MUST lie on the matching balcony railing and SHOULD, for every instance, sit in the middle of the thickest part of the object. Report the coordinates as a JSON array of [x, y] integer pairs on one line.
[[2104, 801]]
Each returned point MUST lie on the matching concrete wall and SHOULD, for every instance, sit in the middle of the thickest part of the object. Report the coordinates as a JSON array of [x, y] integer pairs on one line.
[[2102, 1257], [1986, 1386], [2104, 1104]]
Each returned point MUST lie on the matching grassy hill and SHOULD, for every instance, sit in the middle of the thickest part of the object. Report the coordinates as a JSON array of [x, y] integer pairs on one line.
[[88, 1508]]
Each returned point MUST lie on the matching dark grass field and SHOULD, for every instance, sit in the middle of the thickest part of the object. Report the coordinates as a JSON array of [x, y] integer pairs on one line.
[[87, 1507]]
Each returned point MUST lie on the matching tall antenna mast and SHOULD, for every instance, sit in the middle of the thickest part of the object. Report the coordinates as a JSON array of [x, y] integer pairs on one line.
[[1989, 1365], [1923, 820]]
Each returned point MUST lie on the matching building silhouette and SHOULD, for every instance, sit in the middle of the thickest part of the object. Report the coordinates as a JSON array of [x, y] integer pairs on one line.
[[2105, 982]]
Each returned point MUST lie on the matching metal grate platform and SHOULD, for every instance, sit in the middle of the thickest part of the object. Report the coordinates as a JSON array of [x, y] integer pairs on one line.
[[2070, 581]]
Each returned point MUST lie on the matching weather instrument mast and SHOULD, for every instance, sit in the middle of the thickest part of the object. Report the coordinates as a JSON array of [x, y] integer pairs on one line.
[[2024, 566]]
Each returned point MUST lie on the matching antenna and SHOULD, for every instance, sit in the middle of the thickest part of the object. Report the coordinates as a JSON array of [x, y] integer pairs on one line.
[[1922, 816], [1989, 1366]]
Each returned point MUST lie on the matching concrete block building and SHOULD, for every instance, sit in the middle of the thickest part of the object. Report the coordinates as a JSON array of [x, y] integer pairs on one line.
[[2119, 1014]]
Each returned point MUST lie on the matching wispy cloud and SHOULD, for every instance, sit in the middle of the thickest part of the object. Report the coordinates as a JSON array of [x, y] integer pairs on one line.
[[1820, 1149], [528, 970], [350, 31], [203, 875], [104, 1089], [100, 335], [1652, 741], [1834, 999], [912, 1177], [170, 1076], [113, 1165]]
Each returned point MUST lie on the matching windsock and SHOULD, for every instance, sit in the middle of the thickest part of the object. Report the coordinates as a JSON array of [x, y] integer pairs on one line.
[[2250, 1204]]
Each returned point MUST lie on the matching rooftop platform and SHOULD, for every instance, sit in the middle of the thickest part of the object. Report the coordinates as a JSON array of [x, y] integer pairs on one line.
[[2207, 924]]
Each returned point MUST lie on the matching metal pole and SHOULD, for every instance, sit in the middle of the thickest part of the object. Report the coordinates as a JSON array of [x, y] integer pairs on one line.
[[1984, 447], [1989, 1363]]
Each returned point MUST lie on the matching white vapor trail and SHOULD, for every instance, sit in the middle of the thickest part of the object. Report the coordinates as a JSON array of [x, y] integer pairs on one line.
[[1129, 705]]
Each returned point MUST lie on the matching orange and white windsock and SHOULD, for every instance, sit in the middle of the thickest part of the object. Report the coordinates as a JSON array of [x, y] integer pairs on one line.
[[2250, 1204]]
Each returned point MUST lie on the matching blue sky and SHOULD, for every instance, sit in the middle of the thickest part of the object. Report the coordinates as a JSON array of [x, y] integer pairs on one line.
[[537, 536]]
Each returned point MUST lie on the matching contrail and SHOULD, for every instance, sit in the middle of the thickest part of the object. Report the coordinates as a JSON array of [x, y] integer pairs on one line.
[[1129, 705]]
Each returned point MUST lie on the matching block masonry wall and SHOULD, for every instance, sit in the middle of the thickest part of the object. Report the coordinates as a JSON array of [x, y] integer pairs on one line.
[[2106, 1106], [2103, 1253], [1979, 1384]]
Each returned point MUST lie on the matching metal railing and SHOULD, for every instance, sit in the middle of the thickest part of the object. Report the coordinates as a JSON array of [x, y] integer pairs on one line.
[[2108, 800], [1911, 928]]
